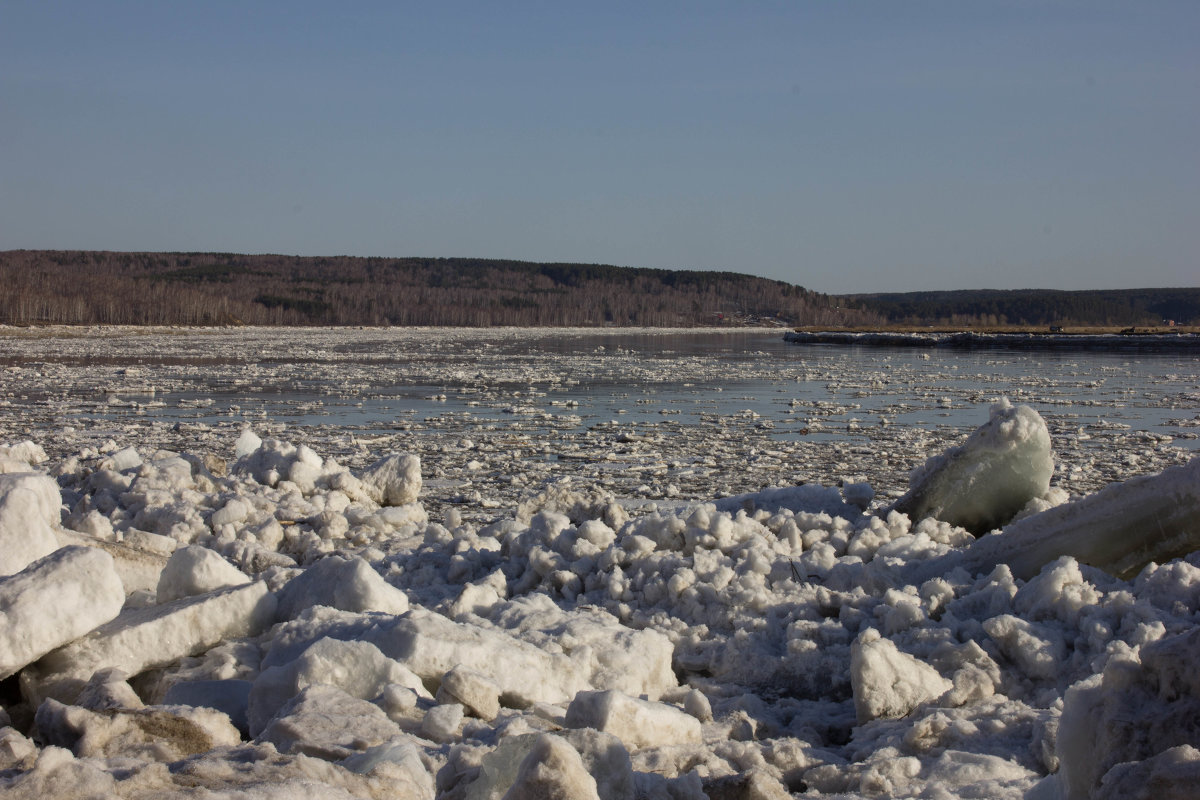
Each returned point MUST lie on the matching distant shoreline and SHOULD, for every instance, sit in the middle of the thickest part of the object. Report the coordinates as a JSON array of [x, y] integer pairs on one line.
[[1177, 340]]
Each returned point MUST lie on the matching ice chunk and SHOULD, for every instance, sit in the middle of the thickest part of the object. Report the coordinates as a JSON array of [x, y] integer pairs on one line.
[[150, 637], [441, 723], [1171, 775], [394, 480], [274, 460], [1119, 529], [246, 444], [54, 601], [887, 682], [138, 560], [637, 723], [474, 690], [603, 756], [1038, 650], [21, 456], [339, 582], [29, 511], [1130, 713], [357, 668], [326, 722], [196, 570], [552, 769], [431, 645], [985, 482], [608, 654], [154, 733]]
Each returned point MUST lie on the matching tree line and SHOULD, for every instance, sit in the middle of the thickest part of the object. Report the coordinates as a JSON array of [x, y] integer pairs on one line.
[[101, 287], [1118, 307]]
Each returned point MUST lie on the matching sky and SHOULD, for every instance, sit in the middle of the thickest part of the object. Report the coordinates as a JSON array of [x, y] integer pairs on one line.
[[842, 146]]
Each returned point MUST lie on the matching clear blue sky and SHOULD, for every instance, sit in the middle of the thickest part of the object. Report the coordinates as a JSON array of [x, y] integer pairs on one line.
[[842, 146]]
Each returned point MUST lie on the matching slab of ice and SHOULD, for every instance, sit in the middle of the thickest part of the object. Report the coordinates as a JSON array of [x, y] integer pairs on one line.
[[349, 584], [157, 732], [552, 769], [983, 483], [325, 722], [53, 601], [475, 691], [431, 645], [29, 512], [602, 754], [1119, 529], [138, 560], [152, 637], [357, 668], [638, 723], [196, 570], [606, 654]]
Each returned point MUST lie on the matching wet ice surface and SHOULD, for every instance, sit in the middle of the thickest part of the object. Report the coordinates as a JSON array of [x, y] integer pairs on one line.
[[648, 415], [258, 590]]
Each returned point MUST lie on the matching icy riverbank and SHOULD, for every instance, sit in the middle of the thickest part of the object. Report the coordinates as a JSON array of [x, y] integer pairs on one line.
[[259, 620]]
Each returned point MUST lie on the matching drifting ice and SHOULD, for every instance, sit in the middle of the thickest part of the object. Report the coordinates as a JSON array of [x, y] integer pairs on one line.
[[292, 628]]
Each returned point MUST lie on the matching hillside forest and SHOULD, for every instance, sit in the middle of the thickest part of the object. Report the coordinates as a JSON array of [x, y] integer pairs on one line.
[[118, 288]]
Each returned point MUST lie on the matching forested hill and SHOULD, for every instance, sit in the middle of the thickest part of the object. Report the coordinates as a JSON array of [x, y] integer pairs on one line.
[[80, 287], [1117, 307]]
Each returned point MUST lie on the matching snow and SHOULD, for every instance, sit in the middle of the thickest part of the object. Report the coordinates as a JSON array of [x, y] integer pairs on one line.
[[251, 616]]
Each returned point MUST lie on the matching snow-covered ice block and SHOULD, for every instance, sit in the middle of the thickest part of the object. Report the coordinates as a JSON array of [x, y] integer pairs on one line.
[[399, 762], [1133, 712], [1119, 529], [349, 584], [196, 570], [357, 668], [16, 751], [325, 722], [53, 601], [754, 783], [153, 637], [1037, 650], [274, 460], [21, 457], [138, 567], [431, 645], [29, 512], [1171, 775], [637, 723], [985, 482], [474, 690], [607, 654], [393, 480], [552, 769], [158, 733], [442, 723], [887, 682], [602, 754]]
